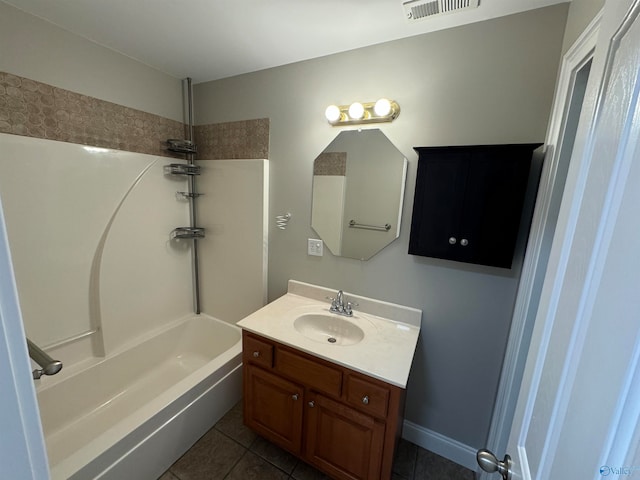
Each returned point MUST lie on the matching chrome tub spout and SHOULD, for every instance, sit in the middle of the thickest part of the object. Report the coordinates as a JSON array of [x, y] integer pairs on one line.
[[48, 365]]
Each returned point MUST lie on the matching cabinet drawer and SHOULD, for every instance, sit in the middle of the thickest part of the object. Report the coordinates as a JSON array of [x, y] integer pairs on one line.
[[256, 351], [313, 374], [367, 396]]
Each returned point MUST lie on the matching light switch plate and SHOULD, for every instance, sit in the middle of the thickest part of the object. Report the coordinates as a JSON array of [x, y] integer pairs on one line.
[[314, 247]]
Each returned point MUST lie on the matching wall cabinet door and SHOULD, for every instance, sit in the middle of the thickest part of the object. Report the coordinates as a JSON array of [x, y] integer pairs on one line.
[[438, 206], [274, 407], [342, 441], [468, 202]]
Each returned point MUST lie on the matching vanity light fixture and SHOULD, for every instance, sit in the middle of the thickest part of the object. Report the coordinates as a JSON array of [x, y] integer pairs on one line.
[[372, 112]]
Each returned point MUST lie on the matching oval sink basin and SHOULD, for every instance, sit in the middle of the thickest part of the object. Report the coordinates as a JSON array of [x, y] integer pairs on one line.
[[330, 329]]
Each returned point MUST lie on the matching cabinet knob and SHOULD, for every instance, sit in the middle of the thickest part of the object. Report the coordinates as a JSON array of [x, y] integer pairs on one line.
[[365, 399], [312, 404], [452, 240], [464, 242], [294, 396], [256, 354]]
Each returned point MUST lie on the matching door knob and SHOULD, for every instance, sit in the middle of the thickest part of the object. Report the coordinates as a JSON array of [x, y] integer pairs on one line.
[[490, 463]]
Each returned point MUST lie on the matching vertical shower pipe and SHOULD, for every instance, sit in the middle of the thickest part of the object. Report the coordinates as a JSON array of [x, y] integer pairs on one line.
[[192, 201]]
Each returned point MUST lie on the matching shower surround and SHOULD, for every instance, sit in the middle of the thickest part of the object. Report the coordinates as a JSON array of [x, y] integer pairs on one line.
[[89, 211]]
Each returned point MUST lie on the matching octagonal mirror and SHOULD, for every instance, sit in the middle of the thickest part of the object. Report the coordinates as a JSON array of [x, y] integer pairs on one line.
[[358, 191]]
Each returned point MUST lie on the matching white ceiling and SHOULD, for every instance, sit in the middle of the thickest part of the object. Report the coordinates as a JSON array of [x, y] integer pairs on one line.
[[212, 39]]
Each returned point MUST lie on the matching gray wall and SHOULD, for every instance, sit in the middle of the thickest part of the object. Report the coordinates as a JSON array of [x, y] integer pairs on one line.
[[581, 12], [490, 82], [41, 51]]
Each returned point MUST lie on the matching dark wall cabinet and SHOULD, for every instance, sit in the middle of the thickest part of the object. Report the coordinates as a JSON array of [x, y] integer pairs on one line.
[[468, 202]]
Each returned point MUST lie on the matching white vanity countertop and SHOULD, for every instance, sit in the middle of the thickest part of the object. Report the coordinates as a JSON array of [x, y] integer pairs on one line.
[[386, 351]]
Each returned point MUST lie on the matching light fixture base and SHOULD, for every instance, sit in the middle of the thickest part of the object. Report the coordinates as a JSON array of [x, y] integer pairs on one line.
[[342, 115]]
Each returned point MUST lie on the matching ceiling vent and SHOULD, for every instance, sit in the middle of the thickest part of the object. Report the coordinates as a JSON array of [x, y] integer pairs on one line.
[[421, 9]]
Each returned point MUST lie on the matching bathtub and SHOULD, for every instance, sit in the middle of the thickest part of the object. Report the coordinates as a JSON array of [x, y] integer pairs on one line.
[[132, 414]]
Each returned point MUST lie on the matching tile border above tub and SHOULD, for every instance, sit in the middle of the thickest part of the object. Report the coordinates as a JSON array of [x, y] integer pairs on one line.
[[35, 109], [244, 139], [330, 164]]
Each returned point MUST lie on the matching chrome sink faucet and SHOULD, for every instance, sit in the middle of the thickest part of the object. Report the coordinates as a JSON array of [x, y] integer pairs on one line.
[[338, 306], [340, 299]]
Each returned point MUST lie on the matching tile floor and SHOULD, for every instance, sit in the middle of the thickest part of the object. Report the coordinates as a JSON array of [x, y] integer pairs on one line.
[[230, 451]]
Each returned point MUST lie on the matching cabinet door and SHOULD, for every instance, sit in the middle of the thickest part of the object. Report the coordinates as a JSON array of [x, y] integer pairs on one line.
[[273, 407], [494, 195], [438, 205], [341, 441]]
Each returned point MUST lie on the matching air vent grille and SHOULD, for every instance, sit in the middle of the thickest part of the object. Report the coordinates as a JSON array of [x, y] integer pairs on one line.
[[420, 9]]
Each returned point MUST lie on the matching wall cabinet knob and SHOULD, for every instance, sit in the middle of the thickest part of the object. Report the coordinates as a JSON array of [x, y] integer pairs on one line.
[[464, 242], [365, 399], [256, 354], [294, 396], [312, 404], [452, 240]]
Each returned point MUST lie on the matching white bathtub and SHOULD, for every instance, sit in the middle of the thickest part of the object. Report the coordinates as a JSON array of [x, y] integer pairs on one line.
[[133, 413]]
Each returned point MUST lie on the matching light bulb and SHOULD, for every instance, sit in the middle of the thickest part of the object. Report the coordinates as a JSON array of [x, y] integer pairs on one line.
[[332, 113], [356, 111], [382, 107]]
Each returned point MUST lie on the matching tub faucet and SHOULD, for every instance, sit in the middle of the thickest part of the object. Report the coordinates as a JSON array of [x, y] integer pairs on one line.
[[48, 364], [338, 306]]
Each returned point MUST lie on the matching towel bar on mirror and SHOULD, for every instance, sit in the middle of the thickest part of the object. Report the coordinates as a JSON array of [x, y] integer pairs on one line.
[[382, 228]]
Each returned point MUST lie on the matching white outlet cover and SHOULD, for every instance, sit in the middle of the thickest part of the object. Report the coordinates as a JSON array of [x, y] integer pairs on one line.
[[315, 247]]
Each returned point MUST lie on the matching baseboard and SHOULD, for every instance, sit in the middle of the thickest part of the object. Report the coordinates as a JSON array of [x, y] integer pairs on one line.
[[444, 446]]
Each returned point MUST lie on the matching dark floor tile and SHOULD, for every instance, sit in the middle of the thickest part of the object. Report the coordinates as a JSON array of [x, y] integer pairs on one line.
[[430, 466], [303, 471], [232, 426], [253, 467], [274, 454], [230, 451], [211, 458], [168, 476], [404, 462]]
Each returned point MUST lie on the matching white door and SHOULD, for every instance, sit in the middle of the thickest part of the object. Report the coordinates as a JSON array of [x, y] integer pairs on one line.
[[579, 406], [22, 448]]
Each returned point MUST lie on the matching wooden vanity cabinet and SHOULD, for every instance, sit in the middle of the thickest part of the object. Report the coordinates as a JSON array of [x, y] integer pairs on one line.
[[344, 423]]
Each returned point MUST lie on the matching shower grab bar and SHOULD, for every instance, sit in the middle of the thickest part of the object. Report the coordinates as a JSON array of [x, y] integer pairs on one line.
[[383, 228], [68, 340], [48, 364]]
